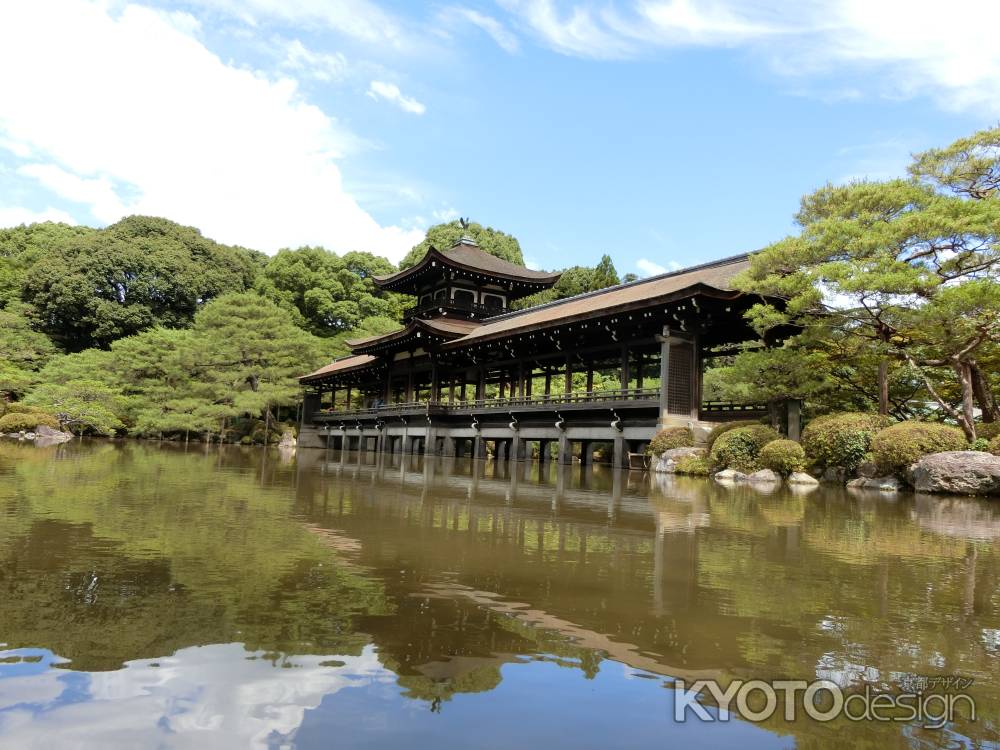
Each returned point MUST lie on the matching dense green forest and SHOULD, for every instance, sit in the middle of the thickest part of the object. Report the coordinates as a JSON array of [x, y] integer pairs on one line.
[[147, 327]]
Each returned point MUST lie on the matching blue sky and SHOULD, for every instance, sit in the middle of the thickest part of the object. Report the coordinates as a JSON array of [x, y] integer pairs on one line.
[[662, 132]]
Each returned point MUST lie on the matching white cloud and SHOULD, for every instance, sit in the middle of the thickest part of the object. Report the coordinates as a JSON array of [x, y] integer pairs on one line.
[[359, 19], [322, 66], [133, 109], [207, 696], [503, 36], [918, 46], [650, 268], [15, 215], [390, 92]]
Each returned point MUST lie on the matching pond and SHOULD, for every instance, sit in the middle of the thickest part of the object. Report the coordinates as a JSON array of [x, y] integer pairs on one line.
[[172, 596]]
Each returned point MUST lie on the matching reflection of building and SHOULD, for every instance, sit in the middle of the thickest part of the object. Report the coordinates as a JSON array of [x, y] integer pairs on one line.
[[465, 369]]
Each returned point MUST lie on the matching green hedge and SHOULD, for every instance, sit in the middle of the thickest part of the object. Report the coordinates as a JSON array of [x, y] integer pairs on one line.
[[18, 422], [783, 457], [740, 448], [897, 447], [698, 466], [842, 439], [669, 438], [721, 429]]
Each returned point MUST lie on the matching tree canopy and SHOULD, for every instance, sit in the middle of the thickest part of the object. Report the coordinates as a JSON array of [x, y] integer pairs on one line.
[[907, 268], [92, 288]]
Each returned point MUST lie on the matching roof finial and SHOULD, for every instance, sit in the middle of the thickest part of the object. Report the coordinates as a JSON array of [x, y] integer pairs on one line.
[[465, 239]]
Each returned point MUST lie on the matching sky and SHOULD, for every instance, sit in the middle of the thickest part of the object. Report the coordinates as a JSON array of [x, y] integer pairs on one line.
[[661, 132]]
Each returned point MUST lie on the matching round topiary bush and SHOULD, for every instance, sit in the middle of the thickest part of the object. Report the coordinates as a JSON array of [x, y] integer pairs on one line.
[[721, 429], [897, 447], [994, 446], [782, 457], [669, 438], [698, 466], [18, 422], [740, 448], [842, 439]]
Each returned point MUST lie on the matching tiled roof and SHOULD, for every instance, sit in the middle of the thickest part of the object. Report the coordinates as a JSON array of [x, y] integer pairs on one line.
[[717, 275], [446, 327], [471, 257], [340, 365]]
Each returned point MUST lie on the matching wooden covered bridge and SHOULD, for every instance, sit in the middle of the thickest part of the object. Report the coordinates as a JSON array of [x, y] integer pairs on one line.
[[606, 367]]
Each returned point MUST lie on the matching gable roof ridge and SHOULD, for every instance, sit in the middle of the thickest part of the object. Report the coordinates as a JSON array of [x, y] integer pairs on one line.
[[605, 290]]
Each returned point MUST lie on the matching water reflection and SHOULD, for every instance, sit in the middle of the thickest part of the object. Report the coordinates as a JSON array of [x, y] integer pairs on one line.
[[232, 597]]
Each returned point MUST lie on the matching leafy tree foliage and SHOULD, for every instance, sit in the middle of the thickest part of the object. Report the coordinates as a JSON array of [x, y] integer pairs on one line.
[[252, 354], [23, 351], [444, 236], [328, 293], [576, 280], [97, 287], [910, 268]]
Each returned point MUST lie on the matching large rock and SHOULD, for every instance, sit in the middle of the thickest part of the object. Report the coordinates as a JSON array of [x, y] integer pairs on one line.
[[47, 436], [800, 477], [730, 475], [764, 476], [667, 461], [957, 473], [881, 484]]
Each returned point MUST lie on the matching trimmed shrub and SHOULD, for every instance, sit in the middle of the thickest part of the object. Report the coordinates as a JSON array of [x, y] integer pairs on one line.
[[740, 448], [16, 407], [669, 438], [895, 448], [783, 457], [698, 466], [17, 422], [994, 446], [988, 430], [842, 439], [721, 429]]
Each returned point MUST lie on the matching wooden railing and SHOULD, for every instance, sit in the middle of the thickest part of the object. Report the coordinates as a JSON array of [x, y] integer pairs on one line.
[[637, 396], [488, 404], [467, 309]]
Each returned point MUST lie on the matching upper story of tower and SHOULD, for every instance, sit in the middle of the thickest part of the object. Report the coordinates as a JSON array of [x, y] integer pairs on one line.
[[464, 282]]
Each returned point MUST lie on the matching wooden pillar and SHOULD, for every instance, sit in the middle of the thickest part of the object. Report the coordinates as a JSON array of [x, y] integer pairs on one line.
[[590, 379], [409, 383], [528, 382], [794, 409], [333, 397], [625, 373], [619, 458], [520, 379], [664, 340], [564, 455], [569, 374], [461, 393], [696, 377], [347, 404], [638, 370], [548, 381], [435, 394], [481, 385]]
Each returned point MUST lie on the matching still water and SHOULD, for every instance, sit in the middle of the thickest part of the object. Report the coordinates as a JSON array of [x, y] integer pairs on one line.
[[157, 596]]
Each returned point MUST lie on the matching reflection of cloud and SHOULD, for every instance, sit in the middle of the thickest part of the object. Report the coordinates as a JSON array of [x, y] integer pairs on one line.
[[220, 696]]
